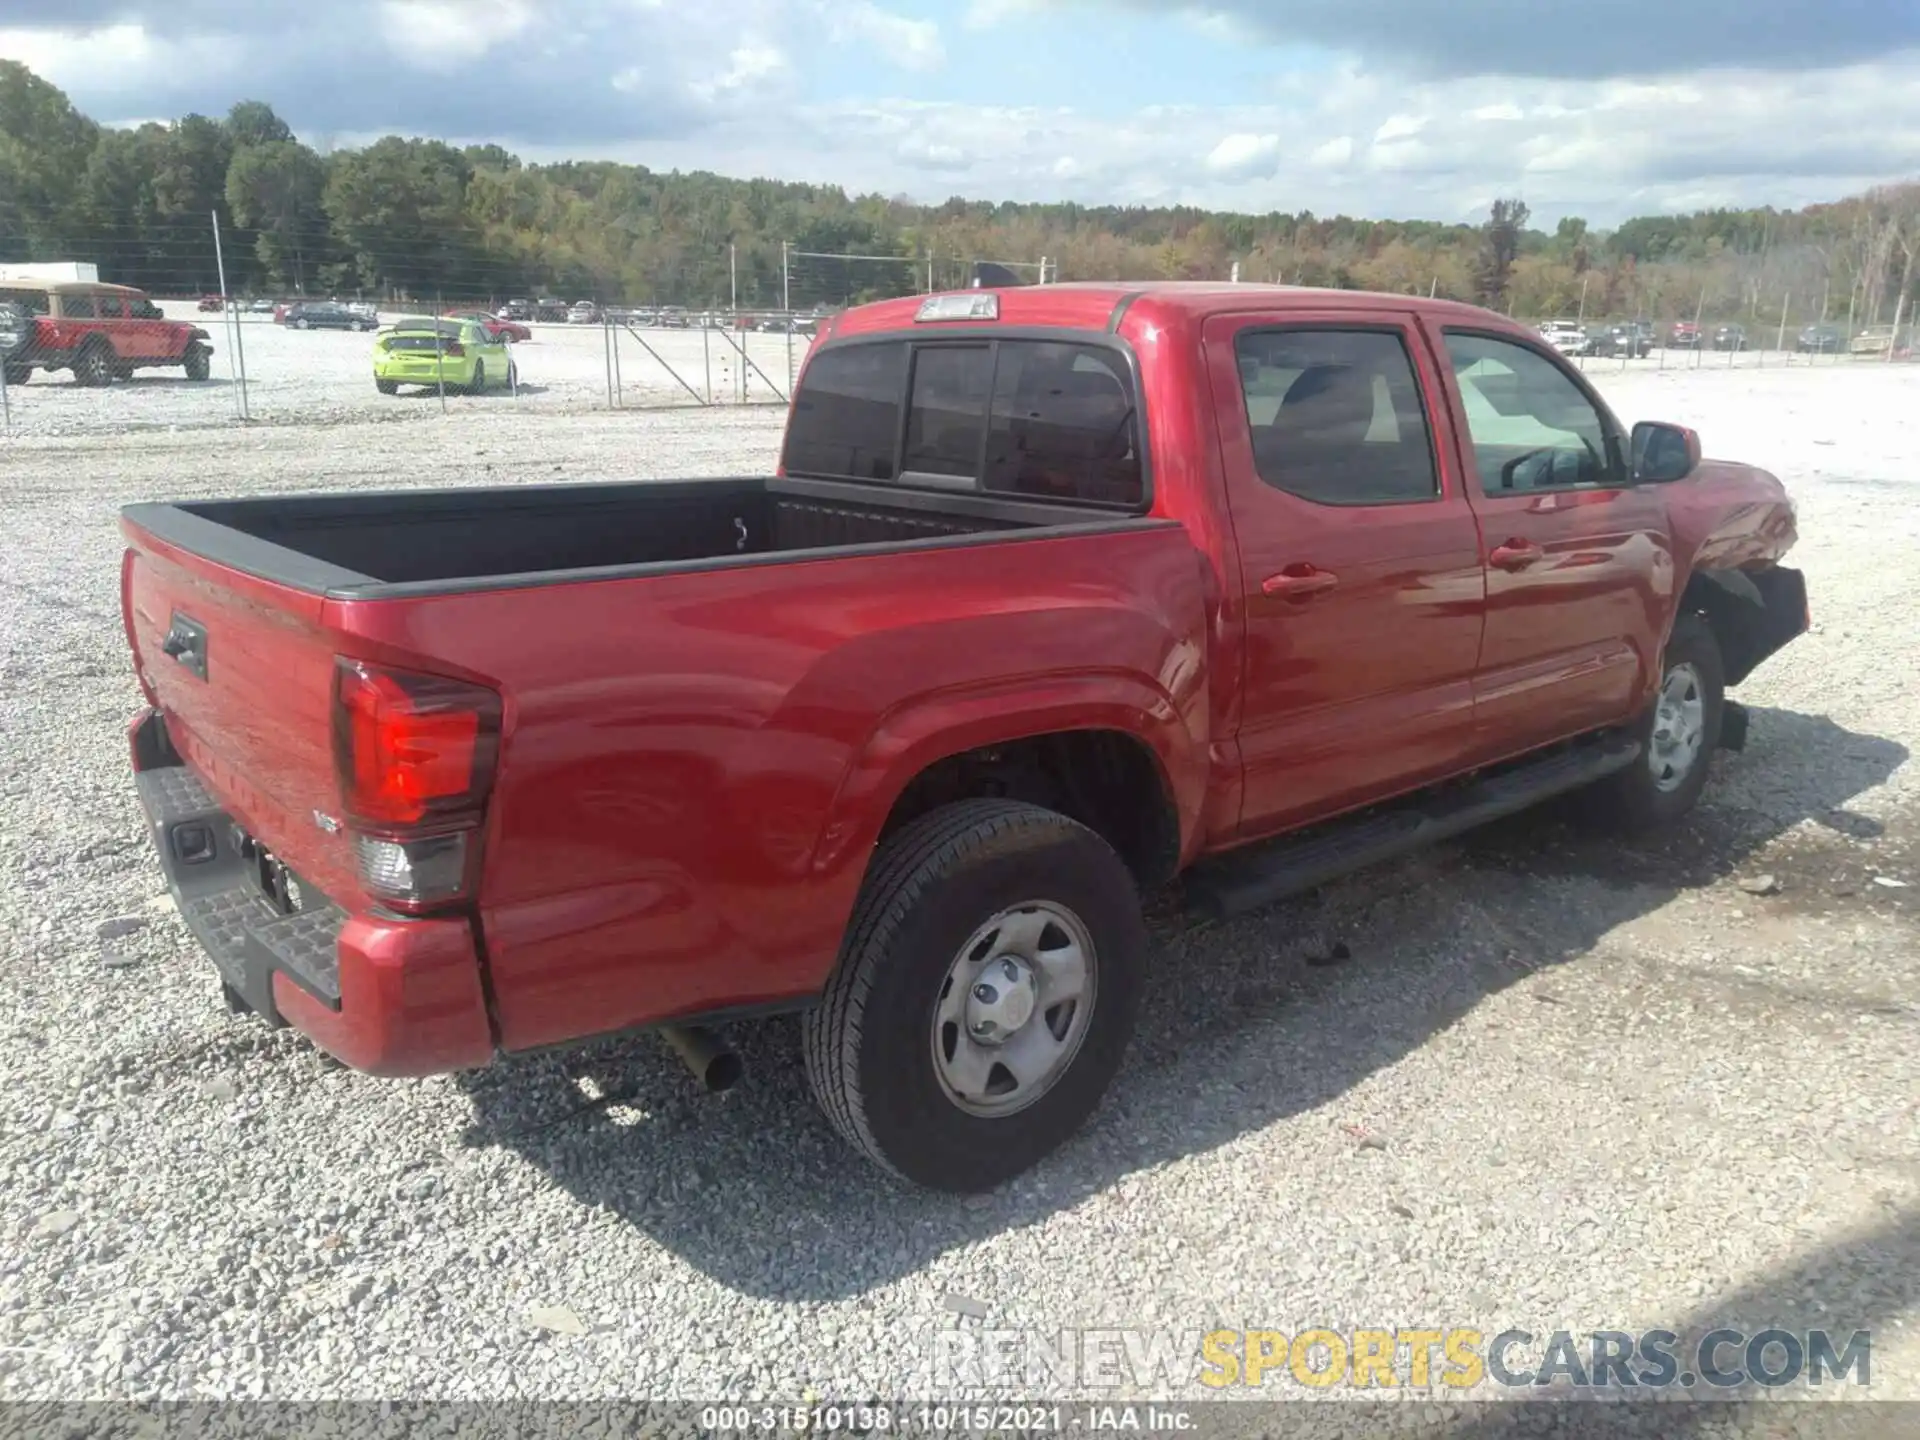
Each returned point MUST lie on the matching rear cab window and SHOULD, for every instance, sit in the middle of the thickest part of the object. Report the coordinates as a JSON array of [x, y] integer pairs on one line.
[[1020, 418]]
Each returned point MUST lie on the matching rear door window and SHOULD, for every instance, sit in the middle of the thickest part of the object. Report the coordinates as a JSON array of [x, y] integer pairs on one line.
[[1063, 425], [78, 307]]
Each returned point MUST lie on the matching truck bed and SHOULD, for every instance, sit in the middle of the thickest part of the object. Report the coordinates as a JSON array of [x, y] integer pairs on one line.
[[375, 544]]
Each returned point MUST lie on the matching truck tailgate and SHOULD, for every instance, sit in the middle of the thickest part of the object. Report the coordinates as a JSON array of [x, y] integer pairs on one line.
[[243, 672]]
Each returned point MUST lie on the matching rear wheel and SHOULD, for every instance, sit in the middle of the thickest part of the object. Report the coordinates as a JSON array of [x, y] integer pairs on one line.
[[1678, 736], [93, 366], [387, 387], [984, 995], [197, 362]]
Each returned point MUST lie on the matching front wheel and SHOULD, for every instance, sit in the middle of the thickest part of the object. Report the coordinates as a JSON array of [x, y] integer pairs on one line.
[[198, 362], [984, 995], [387, 387], [479, 383], [1678, 736]]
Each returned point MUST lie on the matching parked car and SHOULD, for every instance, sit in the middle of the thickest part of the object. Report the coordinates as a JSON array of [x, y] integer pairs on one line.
[[100, 333], [1730, 337], [551, 312], [1879, 339], [518, 310], [211, 303], [1821, 340], [508, 330], [328, 315], [1565, 336], [1685, 335], [463, 355], [583, 312], [261, 307], [897, 736], [1630, 340]]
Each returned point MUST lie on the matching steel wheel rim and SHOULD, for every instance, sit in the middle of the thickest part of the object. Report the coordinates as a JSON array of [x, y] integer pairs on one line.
[[1014, 1008], [1679, 727]]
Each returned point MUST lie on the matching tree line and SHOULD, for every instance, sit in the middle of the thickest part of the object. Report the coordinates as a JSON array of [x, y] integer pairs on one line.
[[419, 218]]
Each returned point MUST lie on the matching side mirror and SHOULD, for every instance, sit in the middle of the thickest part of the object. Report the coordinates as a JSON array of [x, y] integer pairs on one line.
[[1664, 452]]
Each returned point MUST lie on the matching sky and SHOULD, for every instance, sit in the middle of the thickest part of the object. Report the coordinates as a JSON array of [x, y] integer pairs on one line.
[[1385, 108]]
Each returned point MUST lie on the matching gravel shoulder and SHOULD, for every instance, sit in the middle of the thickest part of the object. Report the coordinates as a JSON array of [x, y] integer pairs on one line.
[[1555, 1084]]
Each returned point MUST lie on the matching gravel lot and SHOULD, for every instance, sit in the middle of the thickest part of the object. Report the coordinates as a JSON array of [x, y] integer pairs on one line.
[[309, 377], [1555, 1083]]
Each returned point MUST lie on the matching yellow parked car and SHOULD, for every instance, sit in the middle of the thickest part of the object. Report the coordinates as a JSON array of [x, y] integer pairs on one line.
[[459, 354]]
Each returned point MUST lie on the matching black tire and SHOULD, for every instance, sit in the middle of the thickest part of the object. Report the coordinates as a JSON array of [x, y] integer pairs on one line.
[[387, 387], [1633, 800], [301, 323], [869, 1044], [198, 362], [478, 385], [93, 366]]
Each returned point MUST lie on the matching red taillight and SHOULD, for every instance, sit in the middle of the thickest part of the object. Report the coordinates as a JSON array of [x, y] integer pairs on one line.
[[415, 756], [411, 749], [455, 349]]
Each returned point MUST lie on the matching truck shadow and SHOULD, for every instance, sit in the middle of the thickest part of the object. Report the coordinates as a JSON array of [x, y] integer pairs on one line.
[[1867, 1280], [1244, 1023]]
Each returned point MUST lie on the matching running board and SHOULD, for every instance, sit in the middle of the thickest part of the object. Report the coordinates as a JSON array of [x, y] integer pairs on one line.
[[1262, 874]]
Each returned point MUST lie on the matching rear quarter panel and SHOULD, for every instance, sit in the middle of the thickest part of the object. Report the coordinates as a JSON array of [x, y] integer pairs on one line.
[[695, 767]]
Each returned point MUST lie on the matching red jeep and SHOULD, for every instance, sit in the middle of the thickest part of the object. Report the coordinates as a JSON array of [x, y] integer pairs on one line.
[[1059, 594], [99, 332]]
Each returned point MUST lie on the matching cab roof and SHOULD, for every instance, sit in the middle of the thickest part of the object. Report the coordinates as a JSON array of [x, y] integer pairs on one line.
[[1099, 305]]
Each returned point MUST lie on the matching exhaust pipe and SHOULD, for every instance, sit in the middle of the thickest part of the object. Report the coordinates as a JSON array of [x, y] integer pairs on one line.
[[711, 1059]]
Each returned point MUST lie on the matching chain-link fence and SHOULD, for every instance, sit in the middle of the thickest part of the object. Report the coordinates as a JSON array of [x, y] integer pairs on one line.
[[177, 324]]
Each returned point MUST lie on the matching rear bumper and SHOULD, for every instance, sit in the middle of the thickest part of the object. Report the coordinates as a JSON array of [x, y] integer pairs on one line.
[[382, 994]]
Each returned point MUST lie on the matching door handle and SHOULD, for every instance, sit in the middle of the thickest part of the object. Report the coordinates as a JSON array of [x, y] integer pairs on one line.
[[1299, 581], [1516, 554]]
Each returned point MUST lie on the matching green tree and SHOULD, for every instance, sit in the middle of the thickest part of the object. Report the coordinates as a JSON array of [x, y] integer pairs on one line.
[[275, 190], [1500, 241], [399, 209], [253, 122], [44, 146]]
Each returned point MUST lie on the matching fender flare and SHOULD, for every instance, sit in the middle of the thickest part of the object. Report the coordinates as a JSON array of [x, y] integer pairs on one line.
[[935, 726]]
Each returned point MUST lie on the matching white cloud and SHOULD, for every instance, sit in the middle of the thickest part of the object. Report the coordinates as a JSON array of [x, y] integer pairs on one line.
[[986, 14], [1397, 128], [910, 44], [748, 65], [70, 57], [1332, 153], [445, 35], [1244, 157]]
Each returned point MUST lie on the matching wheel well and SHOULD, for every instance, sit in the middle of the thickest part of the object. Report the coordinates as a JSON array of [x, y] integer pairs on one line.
[[1107, 780]]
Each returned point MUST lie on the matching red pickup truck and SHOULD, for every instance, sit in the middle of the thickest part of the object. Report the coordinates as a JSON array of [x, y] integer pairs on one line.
[[1058, 594]]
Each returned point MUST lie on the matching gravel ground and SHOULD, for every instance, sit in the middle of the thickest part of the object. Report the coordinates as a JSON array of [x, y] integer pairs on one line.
[[312, 377], [1553, 1082]]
